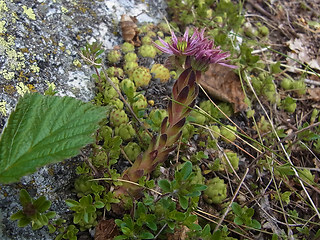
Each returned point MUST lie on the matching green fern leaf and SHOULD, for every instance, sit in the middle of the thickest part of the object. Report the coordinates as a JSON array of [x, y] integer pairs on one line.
[[43, 130]]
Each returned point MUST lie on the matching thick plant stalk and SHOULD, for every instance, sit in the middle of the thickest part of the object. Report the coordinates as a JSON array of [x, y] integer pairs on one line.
[[184, 92]]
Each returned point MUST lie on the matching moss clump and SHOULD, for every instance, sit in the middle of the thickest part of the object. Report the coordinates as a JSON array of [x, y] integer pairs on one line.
[[161, 72], [141, 76], [128, 67], [127, 47], [127, 87], [147, 50], [115, 72], [132, 150], [109, 93], [233, 159], [228, 132], [114, 56], [140, 103], [118, 117], [146, 40], [125, 131], [197, 117], [130, 57], [216, 191]]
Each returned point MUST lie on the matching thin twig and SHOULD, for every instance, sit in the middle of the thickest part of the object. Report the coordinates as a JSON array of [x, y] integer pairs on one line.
[[232, 200], [285, 152]]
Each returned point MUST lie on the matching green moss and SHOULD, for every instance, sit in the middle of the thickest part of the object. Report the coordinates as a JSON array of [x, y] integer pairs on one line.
[[132, 150], [160, 72], [141, 76], [125, 131], [216, 191], [147, 51]]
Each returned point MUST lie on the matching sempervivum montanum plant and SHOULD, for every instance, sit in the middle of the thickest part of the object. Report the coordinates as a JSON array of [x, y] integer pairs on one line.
[[193, 55]]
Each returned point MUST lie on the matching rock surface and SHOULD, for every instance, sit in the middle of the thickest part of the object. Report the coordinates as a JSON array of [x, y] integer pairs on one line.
[[39, 44]]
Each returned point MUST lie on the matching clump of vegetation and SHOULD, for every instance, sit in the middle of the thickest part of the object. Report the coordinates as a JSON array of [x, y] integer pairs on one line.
[[193, 154]]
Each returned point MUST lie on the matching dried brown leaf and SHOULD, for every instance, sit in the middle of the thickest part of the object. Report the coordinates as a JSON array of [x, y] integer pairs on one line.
[[223, 84], [106, 230], [314, 93]]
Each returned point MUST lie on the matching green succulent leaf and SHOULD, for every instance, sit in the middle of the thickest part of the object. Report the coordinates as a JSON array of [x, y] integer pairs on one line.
[[17, 215], [24, 222], [52, 228], [51, 214], [42, 204], [72, 203], [24, 197], [99, 204], [44, 130], [120, 237]]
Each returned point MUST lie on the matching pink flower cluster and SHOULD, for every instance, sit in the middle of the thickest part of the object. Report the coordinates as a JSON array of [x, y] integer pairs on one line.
[[199, 48]]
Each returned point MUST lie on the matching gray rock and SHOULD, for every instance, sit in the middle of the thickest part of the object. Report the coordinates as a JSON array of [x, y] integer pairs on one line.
[[39, 43]]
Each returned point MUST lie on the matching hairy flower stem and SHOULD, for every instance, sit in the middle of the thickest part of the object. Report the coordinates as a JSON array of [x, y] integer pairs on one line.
[[184, 92]]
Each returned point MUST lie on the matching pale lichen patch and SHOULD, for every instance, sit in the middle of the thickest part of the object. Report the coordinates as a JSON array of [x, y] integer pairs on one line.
[[3, 6], [76, 63], [3, 110], [29, 12], [14, 17], [34, 68], [22, 89], [2, 26], [7, 75], [16, 59], [64, 10]]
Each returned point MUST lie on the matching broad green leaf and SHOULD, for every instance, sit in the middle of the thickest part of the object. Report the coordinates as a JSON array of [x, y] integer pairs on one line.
[[44, 130], [186, 170], [86, 217], [146, 235], [249, 213], [120, 237], [238, 220], [194, 227], [171, 225], [236, 208], [90, 209], [217, 235], [183, 202], [255, 224], [127, 231], [99, 204], [317, 236], [206, 230], [77, 217], [165, 185]]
